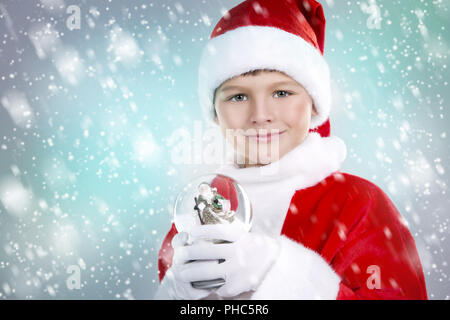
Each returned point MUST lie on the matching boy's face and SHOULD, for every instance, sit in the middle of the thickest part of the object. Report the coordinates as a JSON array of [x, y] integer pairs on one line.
[[256, 104]]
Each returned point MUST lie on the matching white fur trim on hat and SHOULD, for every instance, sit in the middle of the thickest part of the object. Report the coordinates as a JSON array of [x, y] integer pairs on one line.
[[259, 47]]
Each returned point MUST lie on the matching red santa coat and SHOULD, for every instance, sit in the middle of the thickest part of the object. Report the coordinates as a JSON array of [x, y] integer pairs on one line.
[[342, 237]]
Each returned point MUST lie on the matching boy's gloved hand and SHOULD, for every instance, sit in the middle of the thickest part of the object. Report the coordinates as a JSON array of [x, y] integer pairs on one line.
[[247, 257], [179, 286]]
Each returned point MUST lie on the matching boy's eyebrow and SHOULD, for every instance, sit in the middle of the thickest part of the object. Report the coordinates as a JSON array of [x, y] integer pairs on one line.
[[286, 82], [226, 88]]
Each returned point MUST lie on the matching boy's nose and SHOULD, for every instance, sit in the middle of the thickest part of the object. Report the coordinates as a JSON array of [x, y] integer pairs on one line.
[[261, 113]]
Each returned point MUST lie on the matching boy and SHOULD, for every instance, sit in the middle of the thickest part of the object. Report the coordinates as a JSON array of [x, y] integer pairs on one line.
[[317, 233]]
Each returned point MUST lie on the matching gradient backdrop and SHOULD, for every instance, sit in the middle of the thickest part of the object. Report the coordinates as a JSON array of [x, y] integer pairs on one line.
[[87, 118]]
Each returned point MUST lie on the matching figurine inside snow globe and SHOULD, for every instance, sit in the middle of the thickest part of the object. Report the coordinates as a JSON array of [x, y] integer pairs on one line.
[[212, 207]]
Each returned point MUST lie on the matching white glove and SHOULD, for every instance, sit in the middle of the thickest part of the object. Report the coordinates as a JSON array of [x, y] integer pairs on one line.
[[248, 257], [175, 285]]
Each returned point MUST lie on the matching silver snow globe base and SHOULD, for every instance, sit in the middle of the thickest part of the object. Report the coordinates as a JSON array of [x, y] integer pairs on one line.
[[212, 199]]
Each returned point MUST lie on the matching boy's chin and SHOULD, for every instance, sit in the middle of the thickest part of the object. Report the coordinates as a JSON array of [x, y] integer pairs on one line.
[[258, 161]]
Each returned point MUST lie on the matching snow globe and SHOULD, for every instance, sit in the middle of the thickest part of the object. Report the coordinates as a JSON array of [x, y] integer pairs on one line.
[[212, 199]]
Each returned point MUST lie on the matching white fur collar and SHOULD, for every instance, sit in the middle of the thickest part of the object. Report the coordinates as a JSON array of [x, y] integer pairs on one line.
[[272, 186]]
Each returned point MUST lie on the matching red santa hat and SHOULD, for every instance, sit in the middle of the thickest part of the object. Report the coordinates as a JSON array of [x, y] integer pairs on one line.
[[284, 35]]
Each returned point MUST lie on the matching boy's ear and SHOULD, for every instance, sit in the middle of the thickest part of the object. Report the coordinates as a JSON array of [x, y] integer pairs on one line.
[[314, 111], [216, 119]]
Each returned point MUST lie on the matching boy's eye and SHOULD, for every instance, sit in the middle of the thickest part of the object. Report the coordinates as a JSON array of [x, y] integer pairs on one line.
[[238, 97], [242, 97], [282, 93]]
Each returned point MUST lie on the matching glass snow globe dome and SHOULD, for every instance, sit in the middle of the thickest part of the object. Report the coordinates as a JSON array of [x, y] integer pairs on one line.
[[212, 199]]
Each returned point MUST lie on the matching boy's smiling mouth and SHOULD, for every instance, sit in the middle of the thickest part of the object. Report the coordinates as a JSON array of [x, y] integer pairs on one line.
[[266, 136]]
